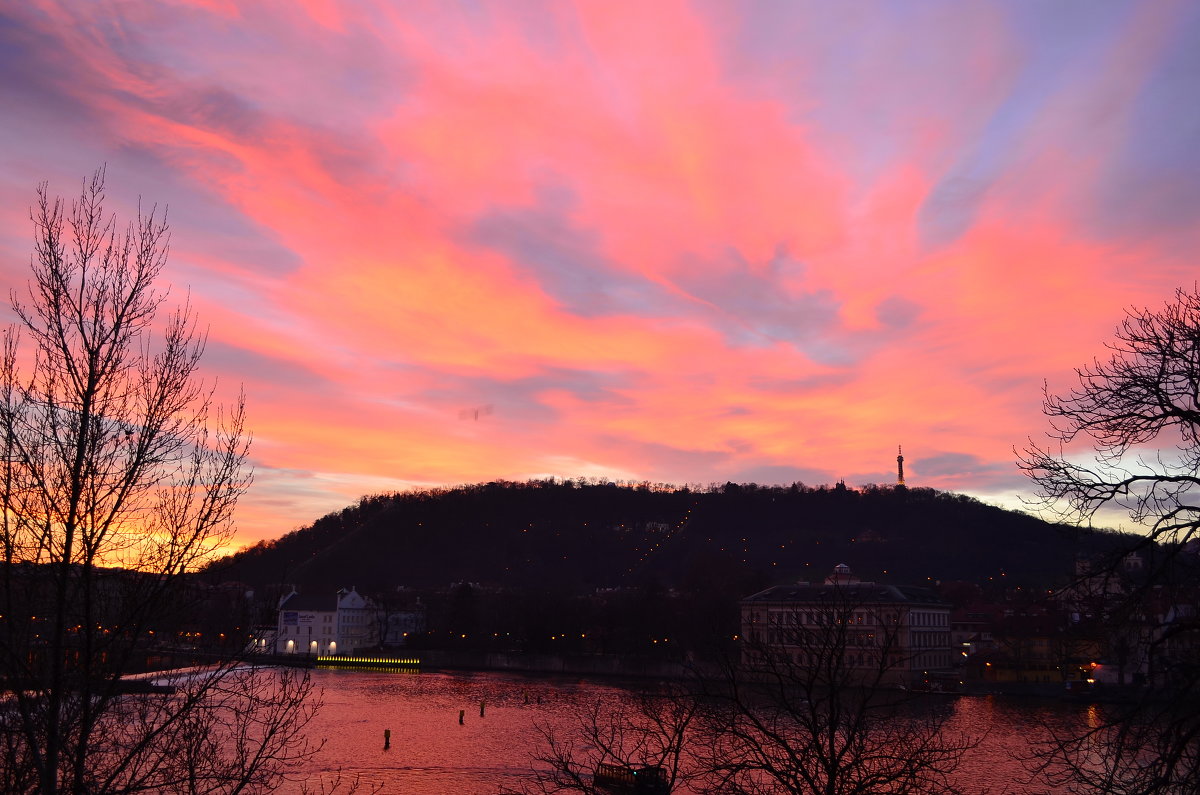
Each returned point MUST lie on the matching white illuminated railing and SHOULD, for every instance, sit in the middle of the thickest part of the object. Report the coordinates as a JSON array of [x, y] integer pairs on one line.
[[356, 660]]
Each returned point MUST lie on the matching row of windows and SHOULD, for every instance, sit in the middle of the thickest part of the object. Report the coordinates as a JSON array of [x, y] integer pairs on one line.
[[916, 618], [797, 637], [872, 660], [940, 660], [859, 659], [926, 639], [819, 619], [346, 618], [308, 630], [794, 638]]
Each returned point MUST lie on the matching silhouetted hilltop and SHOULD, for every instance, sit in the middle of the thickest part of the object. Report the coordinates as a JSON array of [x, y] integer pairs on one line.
[[572, 536]]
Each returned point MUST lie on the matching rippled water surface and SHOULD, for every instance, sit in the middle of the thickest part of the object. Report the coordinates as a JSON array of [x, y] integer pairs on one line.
[[432, 754]]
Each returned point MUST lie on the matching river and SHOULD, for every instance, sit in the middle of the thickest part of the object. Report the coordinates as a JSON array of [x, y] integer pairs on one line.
[[433, 754]]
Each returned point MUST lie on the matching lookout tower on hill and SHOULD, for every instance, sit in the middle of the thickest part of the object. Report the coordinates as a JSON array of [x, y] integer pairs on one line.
[[899, 466]]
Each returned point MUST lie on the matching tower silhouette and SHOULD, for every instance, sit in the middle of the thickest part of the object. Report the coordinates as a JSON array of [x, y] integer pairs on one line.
[[900, 466]]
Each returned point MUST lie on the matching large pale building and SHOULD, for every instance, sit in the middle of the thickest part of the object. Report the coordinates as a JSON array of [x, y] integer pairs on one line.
[[340, 623], [869, 625]]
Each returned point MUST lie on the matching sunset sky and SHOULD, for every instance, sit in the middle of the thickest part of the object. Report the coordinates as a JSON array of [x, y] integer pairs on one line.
[[664, 241]]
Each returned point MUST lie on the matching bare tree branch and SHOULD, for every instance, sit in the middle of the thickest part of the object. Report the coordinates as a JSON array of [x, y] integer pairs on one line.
[[118, 476], [1127, 438]]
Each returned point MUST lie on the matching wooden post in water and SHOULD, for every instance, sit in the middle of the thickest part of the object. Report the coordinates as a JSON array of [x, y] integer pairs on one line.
[[481, 706], [461, 714], [387, 739]]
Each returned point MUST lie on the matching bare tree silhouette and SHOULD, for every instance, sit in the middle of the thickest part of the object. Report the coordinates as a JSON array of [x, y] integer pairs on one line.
[[118, 475], [1127, 439]]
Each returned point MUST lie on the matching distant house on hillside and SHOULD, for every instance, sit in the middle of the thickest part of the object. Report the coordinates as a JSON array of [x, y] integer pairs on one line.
[[398, 625], [340, 623], [909, 626]]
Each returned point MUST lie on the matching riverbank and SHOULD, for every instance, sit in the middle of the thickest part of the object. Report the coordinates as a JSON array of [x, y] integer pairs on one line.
[[632, 667], [609, 666], [589, 665]]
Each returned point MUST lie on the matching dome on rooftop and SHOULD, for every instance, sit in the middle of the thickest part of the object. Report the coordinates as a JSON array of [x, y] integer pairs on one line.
[[841, 575]]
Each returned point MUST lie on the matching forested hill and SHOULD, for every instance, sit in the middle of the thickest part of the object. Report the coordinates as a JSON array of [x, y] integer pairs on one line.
[[564, 535]]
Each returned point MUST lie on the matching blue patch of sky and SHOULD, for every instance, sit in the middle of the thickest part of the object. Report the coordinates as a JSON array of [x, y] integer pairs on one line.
[[813, 56], [835, 65], [41, 92], [761, 306], [898, 313], [967, 470], [803, 384], [543, 242], [34, 74], [948, 464], [240, 362], [214, 108], [1062, 47], [518, 399], [354, 74], [551, 32], [201, 220], [1154, 180], [47, 132]]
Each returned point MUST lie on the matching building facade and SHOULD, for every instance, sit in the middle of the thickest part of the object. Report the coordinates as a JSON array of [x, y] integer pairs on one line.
[[870, 626], [318, 624]]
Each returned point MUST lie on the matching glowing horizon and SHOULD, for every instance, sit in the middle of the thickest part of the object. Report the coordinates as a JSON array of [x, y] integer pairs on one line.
[[671, 242]]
